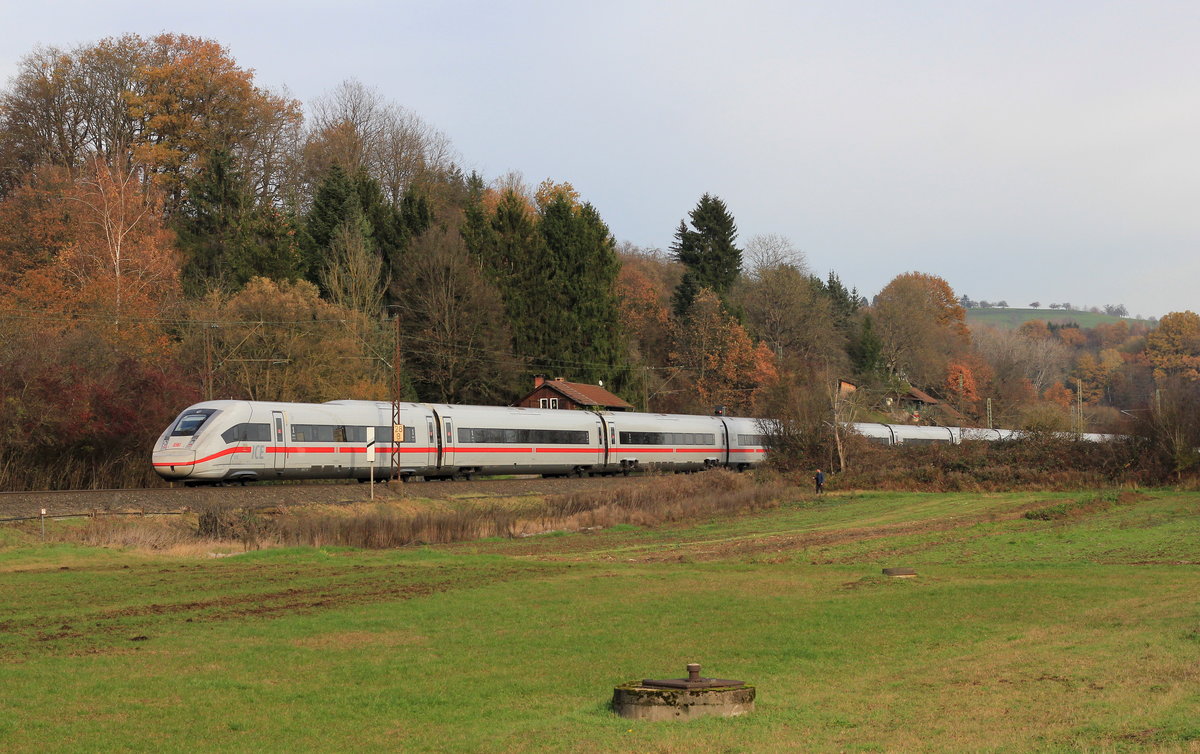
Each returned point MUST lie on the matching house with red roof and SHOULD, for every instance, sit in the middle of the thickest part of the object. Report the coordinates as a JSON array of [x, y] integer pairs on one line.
[[558, 393]]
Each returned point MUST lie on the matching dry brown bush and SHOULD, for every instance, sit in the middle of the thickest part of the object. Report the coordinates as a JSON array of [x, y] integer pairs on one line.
[[140, 532], [659, 500], [1044, 461]]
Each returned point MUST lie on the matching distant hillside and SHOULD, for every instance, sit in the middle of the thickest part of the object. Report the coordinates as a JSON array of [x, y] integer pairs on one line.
[[1013, 318]]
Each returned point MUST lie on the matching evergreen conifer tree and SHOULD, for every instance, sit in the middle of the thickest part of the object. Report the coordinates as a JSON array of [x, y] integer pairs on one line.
[[556, 271], [708, 251], [866, 351], [358, 201], [581, 331], [845, 302], [508, 246], [227, 235], [335, 200]]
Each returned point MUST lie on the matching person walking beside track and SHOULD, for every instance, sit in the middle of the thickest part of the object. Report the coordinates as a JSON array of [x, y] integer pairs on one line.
[[819, 480]]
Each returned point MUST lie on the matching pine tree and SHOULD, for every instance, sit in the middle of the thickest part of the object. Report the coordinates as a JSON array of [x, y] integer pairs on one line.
[[335, 200], [580, 326], [866, 351], [509, 249], [845, 302], [708, 252], [227, 236], [342, 199], [556, 270]]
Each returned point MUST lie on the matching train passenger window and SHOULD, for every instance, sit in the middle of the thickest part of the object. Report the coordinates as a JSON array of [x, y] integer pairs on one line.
[[312, 433], [191, 422], [247, 433], [356, 434], [339, 434], [523, 436]]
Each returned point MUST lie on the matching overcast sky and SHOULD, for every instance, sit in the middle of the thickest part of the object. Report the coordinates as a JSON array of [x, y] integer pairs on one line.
[[1027, 151]]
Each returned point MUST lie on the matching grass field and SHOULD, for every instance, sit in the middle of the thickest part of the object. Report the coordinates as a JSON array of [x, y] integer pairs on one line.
[[1039, 621], [1014, 318]]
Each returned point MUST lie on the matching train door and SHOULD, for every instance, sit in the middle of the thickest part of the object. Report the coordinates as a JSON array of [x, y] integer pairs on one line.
[[431, 449], [447, 441], [725, 443], [602, 446], [280, 449]]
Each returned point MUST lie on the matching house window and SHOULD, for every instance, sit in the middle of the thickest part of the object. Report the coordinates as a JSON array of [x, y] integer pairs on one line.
[[553, 403], [543, 403]]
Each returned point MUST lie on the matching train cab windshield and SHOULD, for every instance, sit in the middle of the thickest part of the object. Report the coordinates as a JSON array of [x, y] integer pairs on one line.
[[191, 422]]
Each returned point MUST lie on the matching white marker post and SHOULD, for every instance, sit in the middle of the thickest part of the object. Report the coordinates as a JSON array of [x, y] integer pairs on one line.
[[371, 457], [43, 524]]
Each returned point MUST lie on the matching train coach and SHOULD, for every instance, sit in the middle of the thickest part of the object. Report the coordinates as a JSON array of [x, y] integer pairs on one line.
[[241, 441], [910, 434]]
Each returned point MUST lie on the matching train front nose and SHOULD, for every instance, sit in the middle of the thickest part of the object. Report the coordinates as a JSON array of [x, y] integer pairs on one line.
[[174, 463]]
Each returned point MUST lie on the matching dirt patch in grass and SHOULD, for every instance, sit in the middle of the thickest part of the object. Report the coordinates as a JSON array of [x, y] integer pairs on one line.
[[1077, 509], [117, 625]]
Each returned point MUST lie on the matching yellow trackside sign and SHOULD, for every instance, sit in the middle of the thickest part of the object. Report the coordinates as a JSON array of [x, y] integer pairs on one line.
[[397, 433]]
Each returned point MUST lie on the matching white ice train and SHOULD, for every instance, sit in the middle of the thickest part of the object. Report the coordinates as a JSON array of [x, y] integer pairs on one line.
[[240, 441], [908, 434]]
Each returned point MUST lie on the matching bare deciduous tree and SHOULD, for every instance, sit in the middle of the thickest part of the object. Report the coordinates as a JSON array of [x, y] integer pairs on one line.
[[771, 251], [353, 126], [454, 325], [352, 277]]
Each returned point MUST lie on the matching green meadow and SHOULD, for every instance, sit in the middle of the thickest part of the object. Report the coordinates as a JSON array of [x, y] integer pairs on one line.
[[1037, 622], [1013, 318]]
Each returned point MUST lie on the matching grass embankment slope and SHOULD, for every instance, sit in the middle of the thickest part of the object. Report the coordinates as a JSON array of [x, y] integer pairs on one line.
[[1079, 630], [1014, 318]]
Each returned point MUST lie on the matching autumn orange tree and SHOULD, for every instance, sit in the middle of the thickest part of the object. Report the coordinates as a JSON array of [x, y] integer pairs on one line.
[[1173, 348], [723, 364], [644, 285], [86, 342], [960, 383], [921, 325], [280, 341], [165, 103], [192, 99]]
